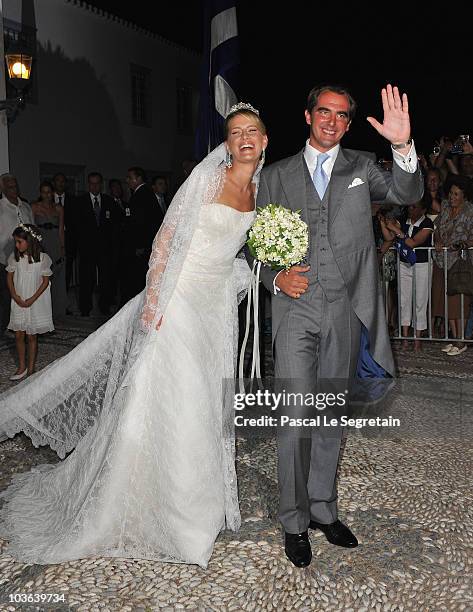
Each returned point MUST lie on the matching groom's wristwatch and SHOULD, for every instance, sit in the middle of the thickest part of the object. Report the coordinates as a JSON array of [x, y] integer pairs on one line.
[[402, 144]]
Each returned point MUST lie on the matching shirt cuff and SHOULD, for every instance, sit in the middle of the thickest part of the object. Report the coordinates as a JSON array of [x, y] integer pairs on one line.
[[407, 162], [276, 289]]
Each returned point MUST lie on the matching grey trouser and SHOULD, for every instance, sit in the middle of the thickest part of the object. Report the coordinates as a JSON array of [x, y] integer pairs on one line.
[[316, 339]]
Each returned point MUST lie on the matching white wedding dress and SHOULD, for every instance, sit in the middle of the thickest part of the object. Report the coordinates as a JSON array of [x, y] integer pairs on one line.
[[154, 475]]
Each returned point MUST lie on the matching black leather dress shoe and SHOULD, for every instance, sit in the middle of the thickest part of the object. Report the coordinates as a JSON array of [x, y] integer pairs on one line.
[[336, 533], [297, 548]]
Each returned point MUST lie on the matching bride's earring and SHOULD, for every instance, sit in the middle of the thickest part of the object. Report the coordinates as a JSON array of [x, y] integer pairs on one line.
[[229, 159]]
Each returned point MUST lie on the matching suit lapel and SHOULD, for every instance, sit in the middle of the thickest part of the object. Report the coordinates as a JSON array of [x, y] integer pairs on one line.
[[341, 177], [293, 184]]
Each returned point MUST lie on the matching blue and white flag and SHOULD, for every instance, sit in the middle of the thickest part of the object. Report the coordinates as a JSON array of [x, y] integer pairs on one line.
[[219, 73]]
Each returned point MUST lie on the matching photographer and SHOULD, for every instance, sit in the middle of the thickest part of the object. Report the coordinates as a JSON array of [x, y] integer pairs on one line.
[[465, 162], [454, 158]]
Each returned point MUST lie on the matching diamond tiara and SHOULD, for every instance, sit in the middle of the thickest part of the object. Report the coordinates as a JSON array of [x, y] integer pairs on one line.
[[27, 229], [243, 106]]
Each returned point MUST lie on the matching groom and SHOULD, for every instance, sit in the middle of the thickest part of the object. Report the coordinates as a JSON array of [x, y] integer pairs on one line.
[[318, 309]]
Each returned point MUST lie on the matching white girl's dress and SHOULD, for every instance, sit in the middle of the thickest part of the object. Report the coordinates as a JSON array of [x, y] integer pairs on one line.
[[27, 277]]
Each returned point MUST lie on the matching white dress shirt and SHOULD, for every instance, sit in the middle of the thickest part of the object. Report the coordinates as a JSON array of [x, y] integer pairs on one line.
[[59, 199], [161, 201], [406, 162], [92, 199], [311, 155], [10, 217]]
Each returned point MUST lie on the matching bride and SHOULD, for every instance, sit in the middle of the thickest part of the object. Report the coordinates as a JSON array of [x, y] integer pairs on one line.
[[142, 400]]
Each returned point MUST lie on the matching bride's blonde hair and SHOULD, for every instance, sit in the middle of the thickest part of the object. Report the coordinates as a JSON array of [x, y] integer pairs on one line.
[[249, 115]]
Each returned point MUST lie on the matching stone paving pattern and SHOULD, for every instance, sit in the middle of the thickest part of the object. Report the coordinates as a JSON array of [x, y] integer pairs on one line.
[[407, 496]]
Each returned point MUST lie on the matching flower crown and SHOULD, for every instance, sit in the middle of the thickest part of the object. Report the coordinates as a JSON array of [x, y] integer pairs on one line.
[[27, 229], [243, 106]]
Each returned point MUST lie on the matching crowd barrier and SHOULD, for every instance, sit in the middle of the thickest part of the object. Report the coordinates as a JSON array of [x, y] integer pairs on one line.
[[428, 334]]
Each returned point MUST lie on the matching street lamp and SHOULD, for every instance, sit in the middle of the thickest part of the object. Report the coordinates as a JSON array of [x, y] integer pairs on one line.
[[19, 73]]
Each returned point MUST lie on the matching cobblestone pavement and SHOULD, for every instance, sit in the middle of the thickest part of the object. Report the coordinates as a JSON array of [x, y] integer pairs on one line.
[[407, 496]]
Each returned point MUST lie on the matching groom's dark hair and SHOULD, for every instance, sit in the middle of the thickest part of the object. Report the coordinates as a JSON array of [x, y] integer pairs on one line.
[[316, 91]]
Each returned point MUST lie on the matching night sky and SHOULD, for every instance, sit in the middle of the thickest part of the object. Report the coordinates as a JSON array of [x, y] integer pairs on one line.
[[285, 51]]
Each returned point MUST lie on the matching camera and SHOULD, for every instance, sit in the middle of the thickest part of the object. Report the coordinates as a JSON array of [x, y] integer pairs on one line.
[[458, 144], [436, 150]]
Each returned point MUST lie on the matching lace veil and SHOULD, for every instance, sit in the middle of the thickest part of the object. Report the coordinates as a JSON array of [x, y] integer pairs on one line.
[[58, 405]]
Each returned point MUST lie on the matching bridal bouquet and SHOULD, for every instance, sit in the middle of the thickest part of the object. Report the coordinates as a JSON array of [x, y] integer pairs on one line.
[[278, 237]]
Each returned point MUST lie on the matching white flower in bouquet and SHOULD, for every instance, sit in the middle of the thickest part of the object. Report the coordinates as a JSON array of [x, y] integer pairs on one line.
[[278, 237]]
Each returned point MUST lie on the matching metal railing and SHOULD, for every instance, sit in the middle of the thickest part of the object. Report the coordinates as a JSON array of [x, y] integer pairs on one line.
[[429, 335]]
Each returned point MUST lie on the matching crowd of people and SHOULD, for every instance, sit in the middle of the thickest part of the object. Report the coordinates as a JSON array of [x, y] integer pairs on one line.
[[96, 243], [101, 242], [431, 236]]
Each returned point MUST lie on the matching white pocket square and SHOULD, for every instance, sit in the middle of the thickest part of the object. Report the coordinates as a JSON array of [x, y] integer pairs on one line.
[[355, 182]]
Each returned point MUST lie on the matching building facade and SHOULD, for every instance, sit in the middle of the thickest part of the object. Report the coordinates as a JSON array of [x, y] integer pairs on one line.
[[105, 95]]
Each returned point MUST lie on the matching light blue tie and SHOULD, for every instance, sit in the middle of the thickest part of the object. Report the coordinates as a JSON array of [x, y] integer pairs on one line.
[[320, 178]]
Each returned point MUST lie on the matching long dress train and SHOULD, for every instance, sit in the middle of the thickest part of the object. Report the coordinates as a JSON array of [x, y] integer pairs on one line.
[[153, 474]]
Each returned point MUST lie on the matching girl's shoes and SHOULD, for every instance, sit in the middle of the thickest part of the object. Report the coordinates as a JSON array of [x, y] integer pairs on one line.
[[19, 376]]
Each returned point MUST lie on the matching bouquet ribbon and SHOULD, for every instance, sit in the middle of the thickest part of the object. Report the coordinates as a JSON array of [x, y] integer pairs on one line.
[[253, 300]]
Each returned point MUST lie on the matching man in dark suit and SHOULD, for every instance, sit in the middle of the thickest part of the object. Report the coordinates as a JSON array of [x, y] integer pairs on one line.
[[319, 310], [160, 187], [147, 216], [126, 250], [97, 229]]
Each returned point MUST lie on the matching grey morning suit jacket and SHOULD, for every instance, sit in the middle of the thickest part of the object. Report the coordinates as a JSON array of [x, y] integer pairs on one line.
[[350, 231]]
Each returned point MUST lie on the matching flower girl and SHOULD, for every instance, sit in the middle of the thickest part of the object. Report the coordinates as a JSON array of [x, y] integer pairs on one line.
[[28, 271]]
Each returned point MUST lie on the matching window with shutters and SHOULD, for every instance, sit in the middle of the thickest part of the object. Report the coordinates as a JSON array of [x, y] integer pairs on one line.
[[140, 95], [187, 102]]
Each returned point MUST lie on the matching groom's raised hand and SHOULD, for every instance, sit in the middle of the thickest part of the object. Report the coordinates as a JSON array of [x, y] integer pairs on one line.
[[396, 126], [291, 281]]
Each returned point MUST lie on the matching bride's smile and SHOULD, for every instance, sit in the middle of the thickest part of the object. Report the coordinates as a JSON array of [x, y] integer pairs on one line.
[[246, 138]]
